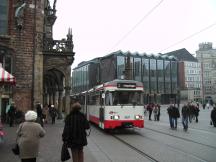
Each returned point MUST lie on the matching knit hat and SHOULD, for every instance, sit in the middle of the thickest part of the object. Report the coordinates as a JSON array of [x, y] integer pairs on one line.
[[30, 116]]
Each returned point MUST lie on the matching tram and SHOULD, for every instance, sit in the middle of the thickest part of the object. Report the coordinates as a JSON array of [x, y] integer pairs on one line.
[[117, 103]]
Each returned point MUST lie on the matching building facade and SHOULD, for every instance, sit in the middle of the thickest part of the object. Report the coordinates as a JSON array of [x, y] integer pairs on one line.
[[189, 74], [207, 57], [158, 74], [40, 64]]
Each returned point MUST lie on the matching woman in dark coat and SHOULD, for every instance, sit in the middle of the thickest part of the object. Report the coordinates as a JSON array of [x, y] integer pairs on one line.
[[74, 133], [213, 116]]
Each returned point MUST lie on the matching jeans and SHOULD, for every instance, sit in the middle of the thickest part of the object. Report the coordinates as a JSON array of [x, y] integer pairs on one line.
[[174, 121], [185, 122], [171, 122]]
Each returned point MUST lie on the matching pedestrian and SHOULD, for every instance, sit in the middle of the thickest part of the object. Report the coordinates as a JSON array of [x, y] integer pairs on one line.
[[39, 113], [196, 112], [145, 110], [208, 105], [213, 116], [74, 133], [175, 116], [150, 107], [185, 116], [170, 113], [28, 136], [204, 105], [191, 111], [155, 111], [11, 114], [158, 115], [53, 113], [45, 113]]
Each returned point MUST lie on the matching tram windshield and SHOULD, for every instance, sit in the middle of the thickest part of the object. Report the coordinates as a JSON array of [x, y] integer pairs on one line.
[[124, 98]]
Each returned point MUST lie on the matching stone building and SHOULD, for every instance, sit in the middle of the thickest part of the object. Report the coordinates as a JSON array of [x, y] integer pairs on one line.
[[189, 74], [207, 57], [41, 65]]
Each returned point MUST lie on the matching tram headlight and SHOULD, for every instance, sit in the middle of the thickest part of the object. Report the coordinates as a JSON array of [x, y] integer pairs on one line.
[[137, 117], [116, 117]]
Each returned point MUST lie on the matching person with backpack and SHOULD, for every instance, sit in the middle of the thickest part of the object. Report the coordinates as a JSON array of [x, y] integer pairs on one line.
[[74, 133]]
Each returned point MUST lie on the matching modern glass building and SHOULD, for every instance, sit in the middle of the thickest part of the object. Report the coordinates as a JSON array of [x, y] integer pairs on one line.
[[158, 74]]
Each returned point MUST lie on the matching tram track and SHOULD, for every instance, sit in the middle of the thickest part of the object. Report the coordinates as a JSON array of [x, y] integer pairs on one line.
[[136, 149], [185, 139], [151, 158], [126, 137]]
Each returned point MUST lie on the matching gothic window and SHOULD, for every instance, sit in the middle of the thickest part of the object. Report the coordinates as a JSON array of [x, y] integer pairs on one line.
[[3, 16]]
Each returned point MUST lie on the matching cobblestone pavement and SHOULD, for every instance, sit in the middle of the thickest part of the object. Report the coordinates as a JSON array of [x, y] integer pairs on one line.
[[50, 148]]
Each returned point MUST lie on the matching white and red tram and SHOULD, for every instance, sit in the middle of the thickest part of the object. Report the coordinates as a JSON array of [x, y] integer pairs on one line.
[[118, 103]]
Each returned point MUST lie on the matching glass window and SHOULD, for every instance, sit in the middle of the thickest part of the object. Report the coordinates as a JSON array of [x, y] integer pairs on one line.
[[124, 98], [145, 71], [8, 64], [153, 75], [137, 69], [160, 74], [167, 77], [3, 16], [120, 66]]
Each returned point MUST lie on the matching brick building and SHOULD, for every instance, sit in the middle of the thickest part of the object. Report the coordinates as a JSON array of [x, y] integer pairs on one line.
[[41, 65]]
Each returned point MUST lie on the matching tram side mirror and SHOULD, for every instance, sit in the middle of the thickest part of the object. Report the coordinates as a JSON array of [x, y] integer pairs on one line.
[[103, 95]]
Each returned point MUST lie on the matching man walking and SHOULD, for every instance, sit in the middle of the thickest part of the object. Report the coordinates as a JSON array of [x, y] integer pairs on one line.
[[185, 116]]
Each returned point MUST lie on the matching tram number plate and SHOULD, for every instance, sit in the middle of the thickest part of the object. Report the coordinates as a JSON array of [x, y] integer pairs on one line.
[[127, 116]]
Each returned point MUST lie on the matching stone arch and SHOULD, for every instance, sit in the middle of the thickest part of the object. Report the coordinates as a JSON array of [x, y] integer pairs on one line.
[[53, 90]]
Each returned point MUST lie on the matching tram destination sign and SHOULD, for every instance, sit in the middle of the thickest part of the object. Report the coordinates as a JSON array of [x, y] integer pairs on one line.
[[126, 85]]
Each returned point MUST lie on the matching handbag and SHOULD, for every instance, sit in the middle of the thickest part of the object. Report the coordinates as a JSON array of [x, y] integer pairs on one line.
[[65, 155], [16, 149]]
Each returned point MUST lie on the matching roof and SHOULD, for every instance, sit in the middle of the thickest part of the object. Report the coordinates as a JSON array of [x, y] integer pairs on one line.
[[182, 55]]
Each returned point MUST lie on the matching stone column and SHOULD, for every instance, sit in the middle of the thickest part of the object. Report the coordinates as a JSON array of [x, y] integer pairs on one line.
[[67, 89], [60, 105]]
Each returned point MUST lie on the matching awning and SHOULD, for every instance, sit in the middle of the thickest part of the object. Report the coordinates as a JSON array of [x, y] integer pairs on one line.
[[6, 77]]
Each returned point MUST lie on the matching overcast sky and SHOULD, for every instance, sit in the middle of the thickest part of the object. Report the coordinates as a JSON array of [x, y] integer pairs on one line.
[[152, 26]]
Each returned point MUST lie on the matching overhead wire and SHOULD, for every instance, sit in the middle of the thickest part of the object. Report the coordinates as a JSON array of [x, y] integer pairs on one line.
[[137, 24], [189, 37]]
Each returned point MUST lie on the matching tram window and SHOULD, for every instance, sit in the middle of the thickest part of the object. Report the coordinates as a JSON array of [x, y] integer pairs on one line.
[[123, 97], [108, 98]]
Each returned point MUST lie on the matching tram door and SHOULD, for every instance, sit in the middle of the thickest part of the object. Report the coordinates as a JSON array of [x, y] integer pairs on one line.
[[101, 110]]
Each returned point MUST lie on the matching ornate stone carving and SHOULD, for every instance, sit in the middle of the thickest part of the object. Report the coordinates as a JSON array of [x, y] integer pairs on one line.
[[19, 15]]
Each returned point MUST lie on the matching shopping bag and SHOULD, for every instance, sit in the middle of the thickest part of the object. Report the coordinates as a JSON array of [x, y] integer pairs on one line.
[[15, 149], [65, 155]]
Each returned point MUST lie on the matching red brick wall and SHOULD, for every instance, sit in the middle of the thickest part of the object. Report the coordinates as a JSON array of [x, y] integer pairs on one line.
[[181, 75], [22, 42]]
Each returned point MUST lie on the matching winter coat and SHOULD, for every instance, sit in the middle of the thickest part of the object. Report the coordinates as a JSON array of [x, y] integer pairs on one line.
[[74, 134], [29, 134], [213, 115], [185, 111], [175, 112]]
